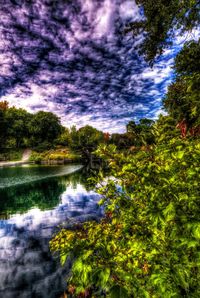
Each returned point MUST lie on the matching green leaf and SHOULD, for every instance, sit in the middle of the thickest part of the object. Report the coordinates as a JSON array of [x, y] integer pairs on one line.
[[180, 154], [169, 212], [196, 231], [118, 292], [63, 259], [104, 277]]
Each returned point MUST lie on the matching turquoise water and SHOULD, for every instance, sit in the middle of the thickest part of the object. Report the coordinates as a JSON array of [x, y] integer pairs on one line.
[[34, 202]]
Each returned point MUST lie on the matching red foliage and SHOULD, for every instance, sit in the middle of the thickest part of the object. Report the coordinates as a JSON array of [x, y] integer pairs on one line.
[[109, 214], [71, 289], [84, 294], [106, 136], [3, 105], [194, 131], [183, 128]]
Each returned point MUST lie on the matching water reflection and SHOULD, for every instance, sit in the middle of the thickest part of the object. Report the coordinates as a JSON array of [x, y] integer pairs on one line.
[[14, 176], [30, 214]]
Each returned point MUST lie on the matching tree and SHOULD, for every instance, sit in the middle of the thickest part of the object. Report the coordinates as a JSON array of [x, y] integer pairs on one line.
[[3, 128], [3, 123], [161, 19], [17, 126], [182, 100], [122, 141], [44, 127], [131, 126], [165, 129], [65, 137], [142, 133], [187, 62], [86, 139]]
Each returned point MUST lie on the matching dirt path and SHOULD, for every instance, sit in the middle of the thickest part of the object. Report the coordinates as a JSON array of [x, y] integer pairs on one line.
[[26, 155], [24, 160]]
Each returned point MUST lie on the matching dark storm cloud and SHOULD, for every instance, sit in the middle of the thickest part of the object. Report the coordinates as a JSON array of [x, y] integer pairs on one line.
[[71, 58]]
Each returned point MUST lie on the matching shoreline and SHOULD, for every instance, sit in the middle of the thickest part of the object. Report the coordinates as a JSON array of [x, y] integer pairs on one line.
[[25, 160], [14, 163]]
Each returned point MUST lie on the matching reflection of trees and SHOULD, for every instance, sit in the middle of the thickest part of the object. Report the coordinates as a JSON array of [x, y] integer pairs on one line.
[[43, 194], [83, 177]]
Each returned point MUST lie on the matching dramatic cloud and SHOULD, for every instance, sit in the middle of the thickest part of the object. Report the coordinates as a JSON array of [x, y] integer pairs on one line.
[[72, 58]]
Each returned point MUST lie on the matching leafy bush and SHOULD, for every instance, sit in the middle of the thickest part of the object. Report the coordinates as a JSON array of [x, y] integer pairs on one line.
[[11, 155], [148, 243], [36, 157], [56, 154]]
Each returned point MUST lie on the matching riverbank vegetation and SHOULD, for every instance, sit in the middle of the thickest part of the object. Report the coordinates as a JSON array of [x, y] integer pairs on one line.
[[62, 155], [50, 141], [11, 154], [43, 133], [148, 242]]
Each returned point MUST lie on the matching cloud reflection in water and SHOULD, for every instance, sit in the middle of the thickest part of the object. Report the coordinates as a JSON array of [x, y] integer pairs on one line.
[[27, 268]]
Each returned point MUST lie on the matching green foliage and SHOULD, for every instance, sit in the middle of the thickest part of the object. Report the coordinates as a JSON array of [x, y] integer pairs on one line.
[[12, 155], [161, 20], [44, 128], [3, 128], [64, 138], [187, 62], [142, 133], [122, 141], [182, 100], [86, 139], [61, 154], [165, 130], [43, 131], [19, 129], [136, 135], [147, 245], [17, 126]]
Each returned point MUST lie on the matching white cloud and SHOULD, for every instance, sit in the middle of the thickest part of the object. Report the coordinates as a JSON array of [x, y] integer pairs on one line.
[[129, 10]]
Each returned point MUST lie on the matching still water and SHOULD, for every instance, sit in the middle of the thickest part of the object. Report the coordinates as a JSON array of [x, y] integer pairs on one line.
[[34, 201]]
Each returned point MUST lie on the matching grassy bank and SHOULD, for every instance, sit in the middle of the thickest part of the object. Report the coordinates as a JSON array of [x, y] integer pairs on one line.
[[59, 155]]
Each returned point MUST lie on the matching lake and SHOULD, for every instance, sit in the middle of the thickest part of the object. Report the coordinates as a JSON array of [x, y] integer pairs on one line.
[[35, 201]]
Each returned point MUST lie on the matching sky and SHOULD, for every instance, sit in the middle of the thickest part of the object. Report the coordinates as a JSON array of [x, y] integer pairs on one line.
[[71, 57]]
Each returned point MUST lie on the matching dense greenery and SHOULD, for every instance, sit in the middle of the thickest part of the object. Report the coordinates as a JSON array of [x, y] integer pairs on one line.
[[57, 155], [148, 243], [142, 133], [22, 129], [11, 154], [44, 133], [182, 99]]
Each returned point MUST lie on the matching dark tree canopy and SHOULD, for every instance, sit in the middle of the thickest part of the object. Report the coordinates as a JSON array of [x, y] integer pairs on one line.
[[44, 127], [187, 62], [161, 20], [86, 139], [182, 100], [17, 125]]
